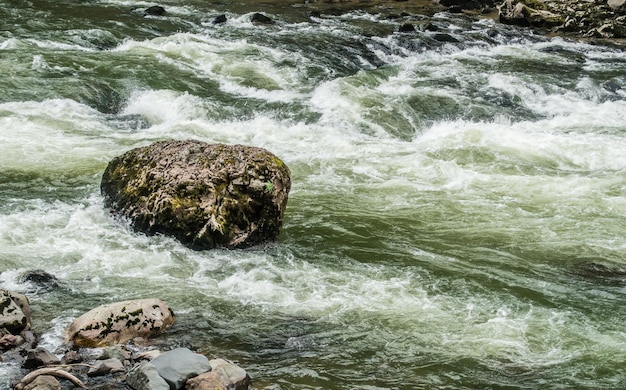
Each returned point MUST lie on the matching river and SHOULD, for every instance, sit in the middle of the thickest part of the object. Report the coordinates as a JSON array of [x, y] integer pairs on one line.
[[457, 212]]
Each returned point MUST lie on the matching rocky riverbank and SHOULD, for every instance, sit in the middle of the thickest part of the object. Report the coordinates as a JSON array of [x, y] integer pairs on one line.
[[108, 347], [579, 19]]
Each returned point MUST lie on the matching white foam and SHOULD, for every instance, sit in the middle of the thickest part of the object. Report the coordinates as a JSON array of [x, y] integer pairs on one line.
[[39, 135], [164, 106], [240, 68]]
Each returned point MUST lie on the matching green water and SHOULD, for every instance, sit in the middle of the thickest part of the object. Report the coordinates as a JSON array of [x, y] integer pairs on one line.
[[456, 219]]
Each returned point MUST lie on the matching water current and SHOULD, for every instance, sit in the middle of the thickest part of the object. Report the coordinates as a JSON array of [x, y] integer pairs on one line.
[[456, 219]]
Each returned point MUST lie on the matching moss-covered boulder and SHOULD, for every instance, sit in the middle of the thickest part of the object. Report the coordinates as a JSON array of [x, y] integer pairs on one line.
[[206, 195], [116, 323]]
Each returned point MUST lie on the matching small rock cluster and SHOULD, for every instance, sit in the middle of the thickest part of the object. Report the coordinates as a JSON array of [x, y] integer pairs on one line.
[[107, 347], [591, 18], [596, 18]]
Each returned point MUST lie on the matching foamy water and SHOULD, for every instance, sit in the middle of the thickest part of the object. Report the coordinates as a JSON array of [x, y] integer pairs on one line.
[[445, 196]]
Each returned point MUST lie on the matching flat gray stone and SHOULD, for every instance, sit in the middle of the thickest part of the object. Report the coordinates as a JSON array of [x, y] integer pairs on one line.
[[180, 364]]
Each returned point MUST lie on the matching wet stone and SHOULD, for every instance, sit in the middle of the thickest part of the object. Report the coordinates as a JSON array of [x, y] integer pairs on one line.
[[180, 364], [39, 357], [144, 376]]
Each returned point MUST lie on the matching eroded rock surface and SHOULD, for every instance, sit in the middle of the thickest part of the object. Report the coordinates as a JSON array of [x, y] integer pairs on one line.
[[206, 195]]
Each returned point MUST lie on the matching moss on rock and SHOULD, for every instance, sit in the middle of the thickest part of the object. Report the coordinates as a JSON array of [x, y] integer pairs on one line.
[[206, 195]]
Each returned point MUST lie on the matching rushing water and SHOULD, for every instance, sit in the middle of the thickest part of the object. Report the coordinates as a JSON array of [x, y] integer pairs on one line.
[[456, 219]]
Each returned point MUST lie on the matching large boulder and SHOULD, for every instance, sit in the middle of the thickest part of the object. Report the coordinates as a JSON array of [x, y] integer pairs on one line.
[[206, 195], [14, 312], [119, 322]]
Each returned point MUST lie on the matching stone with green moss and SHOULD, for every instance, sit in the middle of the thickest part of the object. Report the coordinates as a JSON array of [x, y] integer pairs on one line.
[[116, 323], [205, 195]]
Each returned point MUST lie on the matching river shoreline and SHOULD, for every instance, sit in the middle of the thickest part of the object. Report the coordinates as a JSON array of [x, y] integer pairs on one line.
[[456, 214], [406, 10]]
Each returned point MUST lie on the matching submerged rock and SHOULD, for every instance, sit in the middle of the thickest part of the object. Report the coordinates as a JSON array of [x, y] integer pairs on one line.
[[599, 271], [39, 278], [119, 322], [155, 10], [218, 19], [205, 195], [259, 18]]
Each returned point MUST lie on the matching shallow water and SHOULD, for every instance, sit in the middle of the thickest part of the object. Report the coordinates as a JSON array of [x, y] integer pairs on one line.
[[455, 193]]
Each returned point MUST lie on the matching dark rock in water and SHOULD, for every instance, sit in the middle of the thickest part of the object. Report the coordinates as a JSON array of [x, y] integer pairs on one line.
[[155, 10], [180, 364], [611, 86], [206, 195], [441, 37], [601, 272], [455, 9], [431, 27], [259, 18], [219, 19], [39, 278], [406, 28]]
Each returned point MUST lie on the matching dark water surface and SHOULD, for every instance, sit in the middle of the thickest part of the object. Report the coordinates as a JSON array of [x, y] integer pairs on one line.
[[456, 219]]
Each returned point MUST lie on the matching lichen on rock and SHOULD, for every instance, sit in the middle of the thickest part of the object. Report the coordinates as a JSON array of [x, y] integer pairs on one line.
[[118, 322], [14, 311], [205, 195]]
